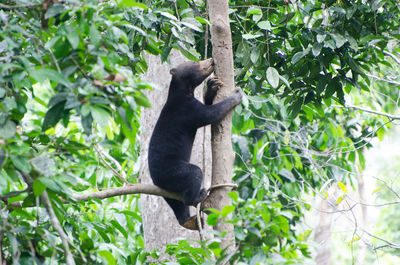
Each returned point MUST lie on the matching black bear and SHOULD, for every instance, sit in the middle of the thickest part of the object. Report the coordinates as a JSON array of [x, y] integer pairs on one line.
[[172, 140]]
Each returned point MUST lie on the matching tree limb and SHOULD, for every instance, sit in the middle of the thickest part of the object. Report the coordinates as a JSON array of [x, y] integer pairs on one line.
[[118, 191], [3, 6], [393, 82], [389, 116], [126, 190], [57, 226]]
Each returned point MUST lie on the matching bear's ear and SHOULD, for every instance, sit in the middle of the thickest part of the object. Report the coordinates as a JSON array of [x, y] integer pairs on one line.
[[172, 71]]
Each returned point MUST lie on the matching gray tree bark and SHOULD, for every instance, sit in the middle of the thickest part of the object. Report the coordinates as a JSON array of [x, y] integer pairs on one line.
[[159, 223], [222, 152]]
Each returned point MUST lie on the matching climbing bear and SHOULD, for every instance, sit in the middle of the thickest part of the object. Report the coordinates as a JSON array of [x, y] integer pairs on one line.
[[172, 140]]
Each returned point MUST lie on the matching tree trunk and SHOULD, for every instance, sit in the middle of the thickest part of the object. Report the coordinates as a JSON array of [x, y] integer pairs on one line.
[[222, 152], [159, 223], [323, 234]]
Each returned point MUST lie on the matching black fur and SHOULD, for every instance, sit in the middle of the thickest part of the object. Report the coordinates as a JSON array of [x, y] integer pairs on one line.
[[172, 140]]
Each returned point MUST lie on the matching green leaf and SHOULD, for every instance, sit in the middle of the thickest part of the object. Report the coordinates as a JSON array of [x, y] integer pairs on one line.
[[72, 36], [287, 174], [342, 187], [38, 187], [52, 42], [120, 228], [297, 106], [21, 163], [254, 10], [212, 219], [41, 75], [151, 47], [266, 25], [273, 77], [94, 35], [168, 15], [142, 100], [339, 200], [59, 97], [7, 130], [165, 53], [354, 66], [353, 240], [192, 24], [108, 256], [2, 92], [99, 100], [380, 133], [284, 80], [254, 55], [53, 115], [250, 36], [189, 53], [297, 57], [316, 49], [131, 3], [339, 40], [100, 115], [227, 209], [320, 38], [202, 20], [44, 164], [51, 184], [331, 88], [54, 10]]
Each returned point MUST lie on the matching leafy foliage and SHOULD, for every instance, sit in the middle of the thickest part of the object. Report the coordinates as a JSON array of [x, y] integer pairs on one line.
[[71, 94]]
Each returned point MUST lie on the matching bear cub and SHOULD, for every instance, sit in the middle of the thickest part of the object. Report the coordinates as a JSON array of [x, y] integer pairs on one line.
[[172, 140]]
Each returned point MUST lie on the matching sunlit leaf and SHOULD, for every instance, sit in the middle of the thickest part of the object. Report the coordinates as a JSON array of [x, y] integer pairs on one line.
[[342, 187], [38, 187], [273, 77], [42, 74]]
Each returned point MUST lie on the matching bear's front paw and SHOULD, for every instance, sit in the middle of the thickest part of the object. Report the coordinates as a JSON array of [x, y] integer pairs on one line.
[[214, 83]]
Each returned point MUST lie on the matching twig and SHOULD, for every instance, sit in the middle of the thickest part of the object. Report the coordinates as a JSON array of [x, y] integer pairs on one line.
[[13, 194], [244, 6], [390, 116], [57, 226], [397, 60], [4, 226], [384, 80], [199, 225], [116, 173], [79, 67], [3, 6]]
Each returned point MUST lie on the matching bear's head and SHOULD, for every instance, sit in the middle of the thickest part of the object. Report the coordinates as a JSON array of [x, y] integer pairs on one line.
[[189, 75]]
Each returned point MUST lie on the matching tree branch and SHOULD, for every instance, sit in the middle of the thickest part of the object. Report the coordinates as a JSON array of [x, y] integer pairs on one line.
[[126, 190], [393, 82], [389, 116], [118, 191], [116, 173], [3, 6], [57, 226]]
